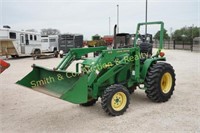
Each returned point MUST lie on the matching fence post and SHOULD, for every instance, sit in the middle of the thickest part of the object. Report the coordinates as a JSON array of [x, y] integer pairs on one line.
[[191, 46], [168, 43], [174, 44], [183, 45]]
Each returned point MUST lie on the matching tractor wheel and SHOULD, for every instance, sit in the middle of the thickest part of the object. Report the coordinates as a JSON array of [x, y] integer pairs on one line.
[[89, 103], [160, 82], [115, 100]]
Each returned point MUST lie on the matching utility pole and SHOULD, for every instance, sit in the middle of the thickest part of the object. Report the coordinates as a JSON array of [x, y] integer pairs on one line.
[[192, 38], [192, 30], [109, 25], [171, 32], [146, 19], [117, 18], [170, 41]]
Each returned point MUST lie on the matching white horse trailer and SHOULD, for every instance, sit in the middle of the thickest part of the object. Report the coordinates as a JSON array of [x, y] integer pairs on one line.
[[19, 43], [49, 43]]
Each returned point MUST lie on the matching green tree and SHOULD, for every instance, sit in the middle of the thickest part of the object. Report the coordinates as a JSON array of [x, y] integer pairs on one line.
[[186, 33], [50, 31], [165, 37]]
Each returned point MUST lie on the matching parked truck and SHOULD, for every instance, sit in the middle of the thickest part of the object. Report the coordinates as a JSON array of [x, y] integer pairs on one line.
[[49, 43], [49, 47]]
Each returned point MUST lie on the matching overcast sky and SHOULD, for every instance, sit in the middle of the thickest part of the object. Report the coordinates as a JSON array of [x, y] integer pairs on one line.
[[90, 17]]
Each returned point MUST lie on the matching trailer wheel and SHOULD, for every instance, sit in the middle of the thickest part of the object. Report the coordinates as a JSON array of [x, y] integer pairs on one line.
[[14, 56], [115, 100], [37, 53], [160, 82], [89, 103], [56, 54], [61, 55]]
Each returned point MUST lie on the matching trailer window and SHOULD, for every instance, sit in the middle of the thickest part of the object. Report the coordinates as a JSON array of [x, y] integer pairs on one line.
[[31, 37], [44, 40], [52, 40], [12, 35], [22, 39], [26, 39], [35, 37]]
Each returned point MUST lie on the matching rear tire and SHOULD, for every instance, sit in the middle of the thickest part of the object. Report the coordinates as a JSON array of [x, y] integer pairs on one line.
[[160, 82], [115, 100]]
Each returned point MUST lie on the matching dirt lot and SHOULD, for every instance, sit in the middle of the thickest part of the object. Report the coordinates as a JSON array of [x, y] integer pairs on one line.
[[24, 110]]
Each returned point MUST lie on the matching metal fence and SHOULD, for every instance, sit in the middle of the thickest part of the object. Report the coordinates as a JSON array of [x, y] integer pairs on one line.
[[181, 45]]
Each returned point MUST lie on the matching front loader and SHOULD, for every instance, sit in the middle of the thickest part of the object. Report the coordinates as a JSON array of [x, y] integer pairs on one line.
[[111, 76]]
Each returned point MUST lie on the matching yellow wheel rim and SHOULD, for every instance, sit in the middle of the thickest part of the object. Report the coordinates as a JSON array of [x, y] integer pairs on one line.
[[119, 100], [166, 82]]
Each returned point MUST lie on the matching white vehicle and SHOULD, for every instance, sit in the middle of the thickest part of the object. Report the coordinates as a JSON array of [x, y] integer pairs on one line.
[[49, 43], [19, 43]]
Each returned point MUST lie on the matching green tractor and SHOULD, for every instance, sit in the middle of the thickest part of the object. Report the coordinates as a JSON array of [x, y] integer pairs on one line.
[[111, 76]]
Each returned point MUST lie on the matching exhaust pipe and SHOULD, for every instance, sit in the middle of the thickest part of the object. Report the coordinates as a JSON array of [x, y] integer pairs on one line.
[[115, 41]]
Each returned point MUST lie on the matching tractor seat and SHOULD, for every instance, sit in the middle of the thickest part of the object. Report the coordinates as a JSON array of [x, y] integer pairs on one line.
[[145, 50], [146, 47]]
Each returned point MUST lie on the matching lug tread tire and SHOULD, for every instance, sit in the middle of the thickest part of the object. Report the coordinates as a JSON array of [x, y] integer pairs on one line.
[[107, 97], [153, 79]]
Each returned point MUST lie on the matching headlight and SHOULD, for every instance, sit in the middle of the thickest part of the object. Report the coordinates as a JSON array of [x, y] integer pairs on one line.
[[61, 52]]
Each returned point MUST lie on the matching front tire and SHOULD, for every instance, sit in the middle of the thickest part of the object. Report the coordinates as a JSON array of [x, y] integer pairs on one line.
[[160, 82], [115, 100]]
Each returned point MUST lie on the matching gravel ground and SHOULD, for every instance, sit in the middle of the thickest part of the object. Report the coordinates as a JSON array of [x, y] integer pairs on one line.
[[24, 110]]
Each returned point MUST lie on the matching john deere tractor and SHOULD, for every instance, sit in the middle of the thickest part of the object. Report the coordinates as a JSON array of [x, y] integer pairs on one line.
[[111, 76]]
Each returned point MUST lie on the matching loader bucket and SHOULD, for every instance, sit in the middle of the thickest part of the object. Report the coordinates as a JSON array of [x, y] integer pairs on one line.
[[60, 84]]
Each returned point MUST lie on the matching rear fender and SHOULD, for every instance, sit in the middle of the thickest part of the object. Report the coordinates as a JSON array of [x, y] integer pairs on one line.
[[147, 64]]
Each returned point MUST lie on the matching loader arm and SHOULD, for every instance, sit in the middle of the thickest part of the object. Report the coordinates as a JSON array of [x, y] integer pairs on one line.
[[75, 54]]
